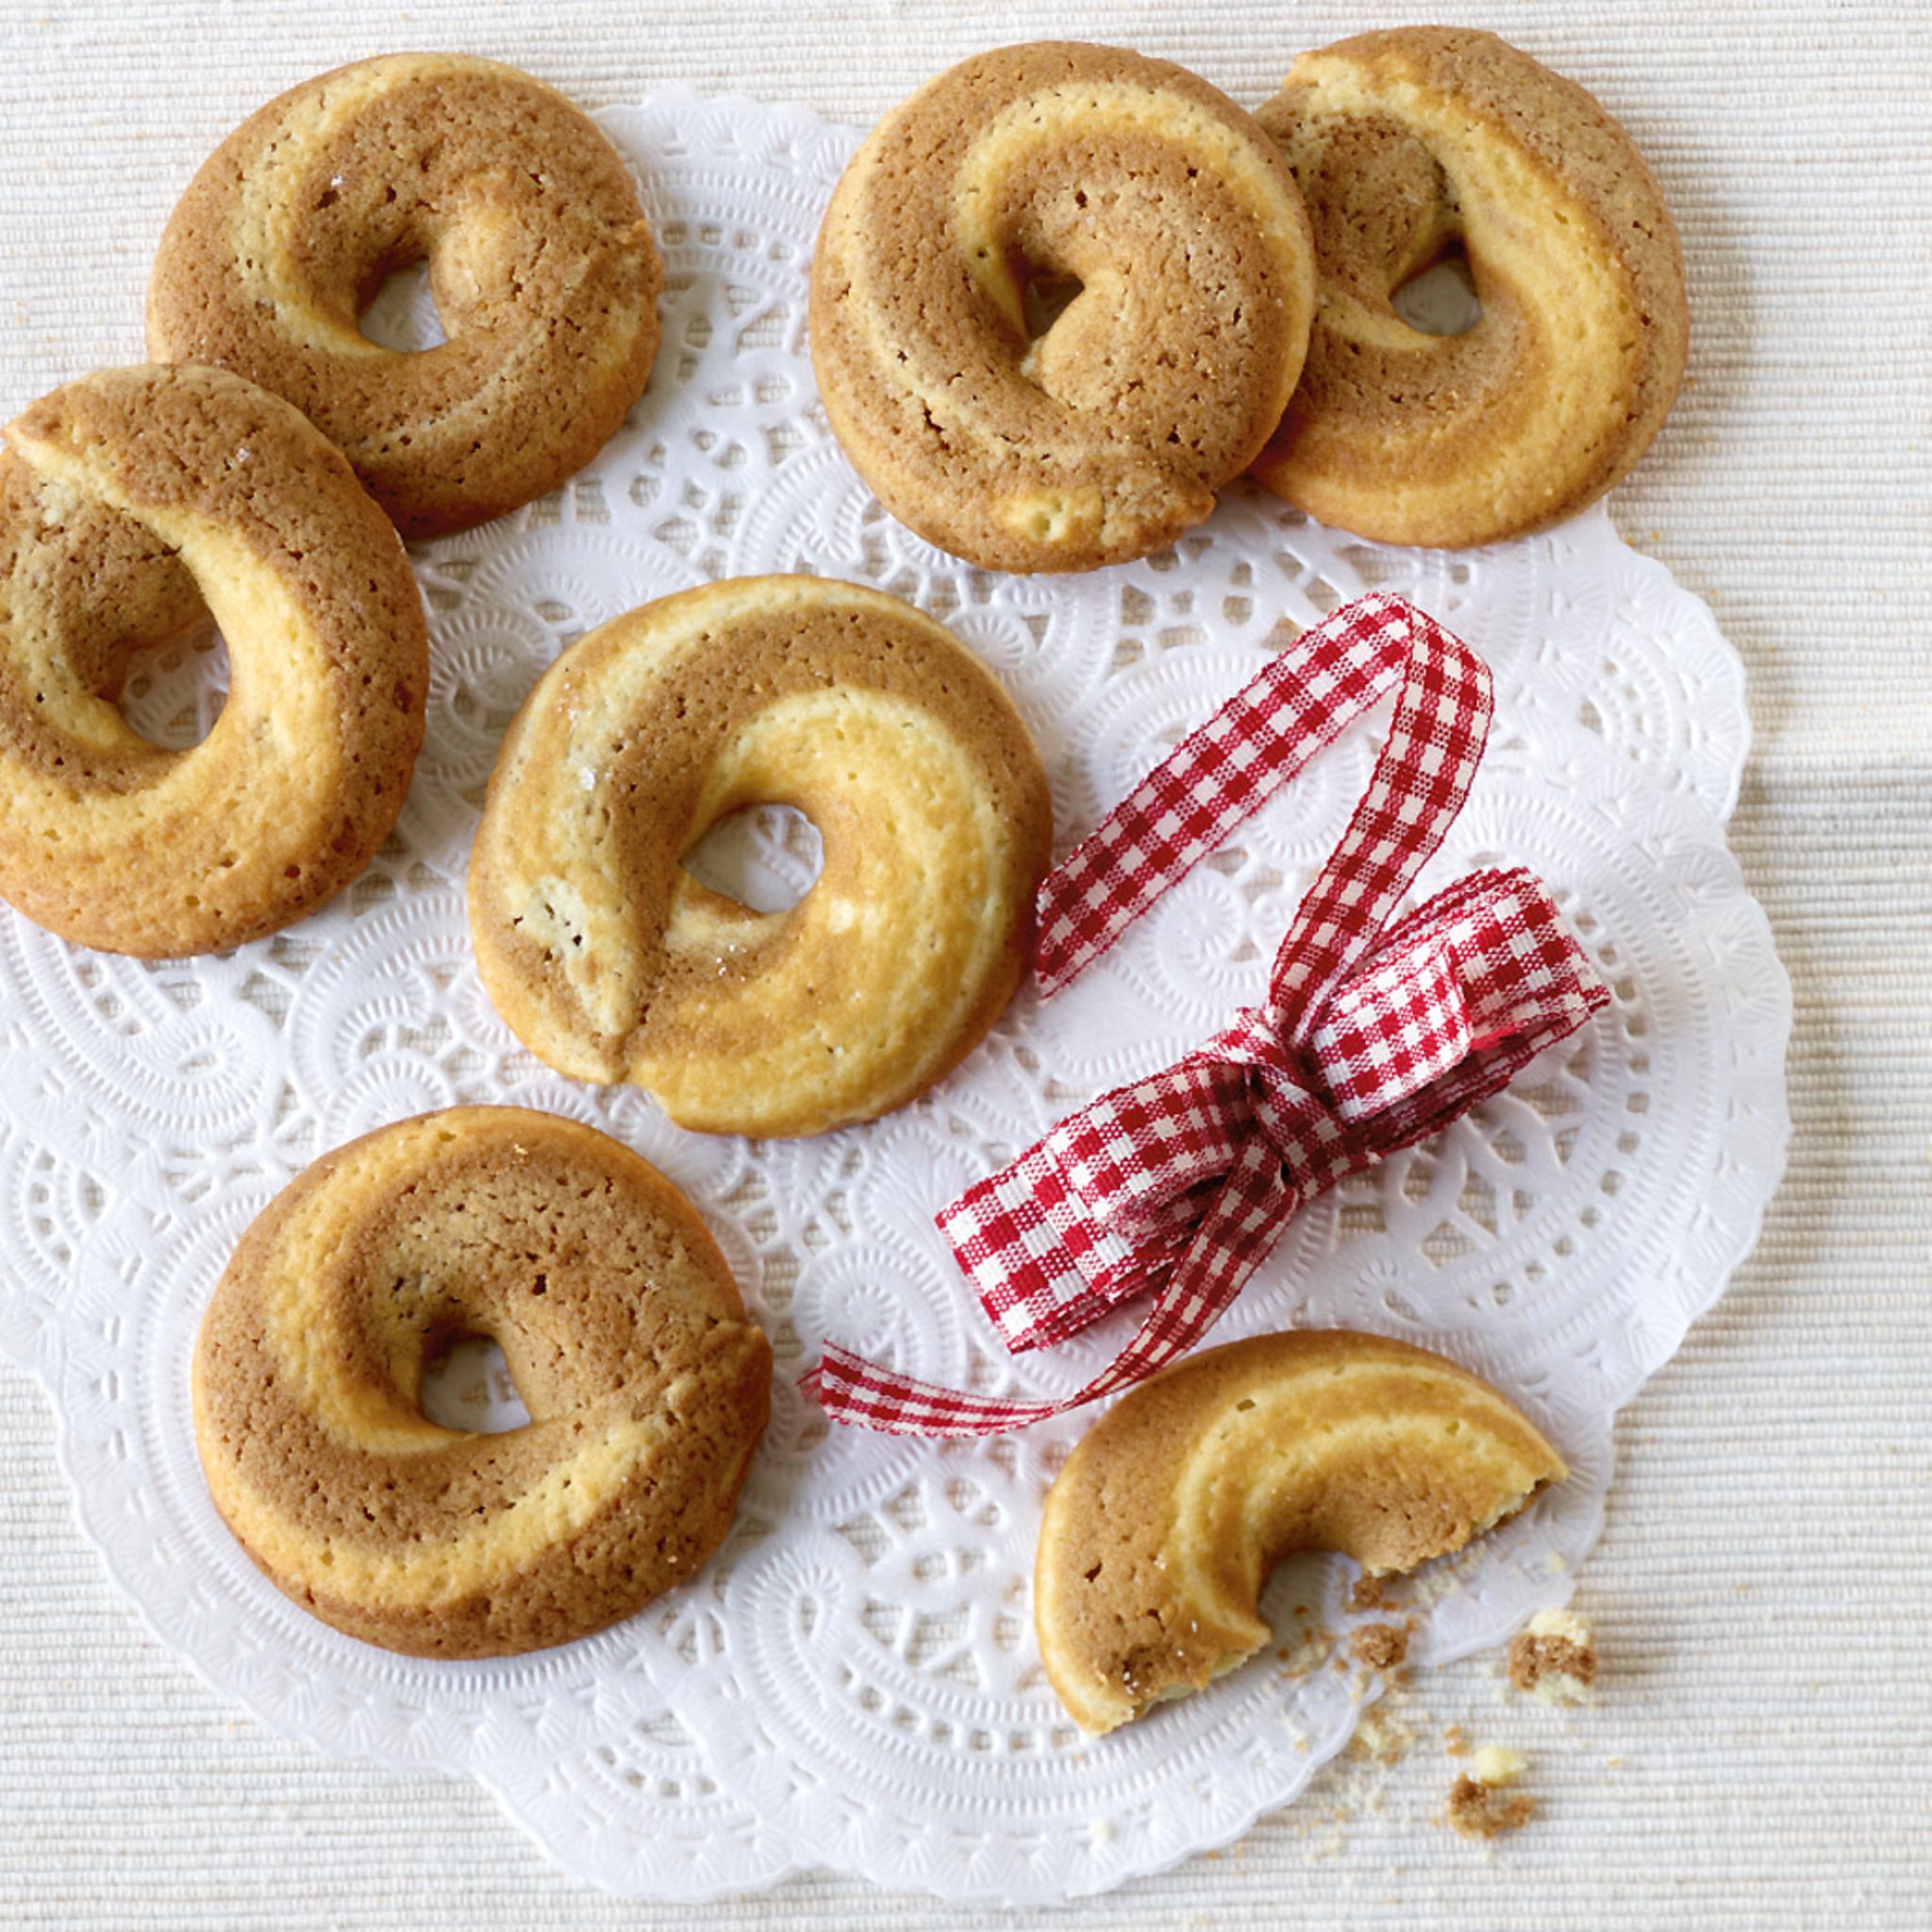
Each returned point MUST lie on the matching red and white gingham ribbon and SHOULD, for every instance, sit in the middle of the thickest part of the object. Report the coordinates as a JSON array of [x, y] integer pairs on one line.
[[1372, 1035]]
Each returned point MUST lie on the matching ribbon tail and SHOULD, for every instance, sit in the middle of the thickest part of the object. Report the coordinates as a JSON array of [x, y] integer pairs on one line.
[[1233, 1240], [864, 1395]]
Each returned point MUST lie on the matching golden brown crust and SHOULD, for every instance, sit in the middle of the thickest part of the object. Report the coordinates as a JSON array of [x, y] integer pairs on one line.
[[540, 260], [1109, 435], [647, 1386], [611, 962], [125, 499], [1162, 1528], [1410, 142]]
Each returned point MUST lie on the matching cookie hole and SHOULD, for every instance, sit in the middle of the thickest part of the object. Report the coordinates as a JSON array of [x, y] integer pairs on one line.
[[1045, 297], [1442, 300], [403, 315], [764, 856], [467, 1385], [173, 694]]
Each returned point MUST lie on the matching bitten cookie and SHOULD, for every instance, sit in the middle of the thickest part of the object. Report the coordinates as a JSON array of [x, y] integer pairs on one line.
[[1162, 1528], [611, 962], [127, 499], [1024, 447], [647, 1386], [540, 258], [1418, 142]]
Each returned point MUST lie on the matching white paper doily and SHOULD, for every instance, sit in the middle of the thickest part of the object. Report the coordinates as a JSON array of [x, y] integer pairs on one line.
[[853, 1682]]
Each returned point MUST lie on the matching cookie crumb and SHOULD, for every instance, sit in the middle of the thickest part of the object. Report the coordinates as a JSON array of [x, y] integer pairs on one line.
[[1380, 1646], [1381, 1739], [1368, 1595], [1481, 1811], [1481, 1803], [1555, 1660], [1455, 1742]]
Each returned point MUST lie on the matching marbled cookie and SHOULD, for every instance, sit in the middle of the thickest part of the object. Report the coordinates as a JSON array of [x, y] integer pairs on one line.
[[1421, 142], [132, 504], [1162, 1528], [1027, 172], [612, 962], [647, 1386], [540, 260]]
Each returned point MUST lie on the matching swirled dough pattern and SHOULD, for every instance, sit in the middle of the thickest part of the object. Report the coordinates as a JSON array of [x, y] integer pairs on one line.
[[132, 504], [613, 964], [1163, 1526], [646, 1385], [1413, 143], [1109, 435], [540, 260]]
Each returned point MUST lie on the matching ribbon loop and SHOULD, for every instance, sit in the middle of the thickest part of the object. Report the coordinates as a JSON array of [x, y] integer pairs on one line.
[[1435, 744], [1371, 1034], [1392, 1029]]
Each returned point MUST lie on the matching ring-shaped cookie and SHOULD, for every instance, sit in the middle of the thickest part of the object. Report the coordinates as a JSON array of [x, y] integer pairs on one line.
[[1107, 435], [132, 504], [1408, 145], [1162, 1528], [611, 962], [647, 1386], [540, 260]]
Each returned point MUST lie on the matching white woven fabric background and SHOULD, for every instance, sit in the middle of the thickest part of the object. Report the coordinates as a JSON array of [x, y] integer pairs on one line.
[[1759, 1746]]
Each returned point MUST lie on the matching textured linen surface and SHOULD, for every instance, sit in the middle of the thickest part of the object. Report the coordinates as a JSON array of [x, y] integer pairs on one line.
[[1762, 1585]]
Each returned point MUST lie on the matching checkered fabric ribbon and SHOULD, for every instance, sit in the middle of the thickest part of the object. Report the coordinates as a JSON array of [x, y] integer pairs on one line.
[[1373, 1035]]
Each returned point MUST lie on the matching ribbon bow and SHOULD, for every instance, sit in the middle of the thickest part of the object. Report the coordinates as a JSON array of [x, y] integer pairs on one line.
[[1373, 1035]]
